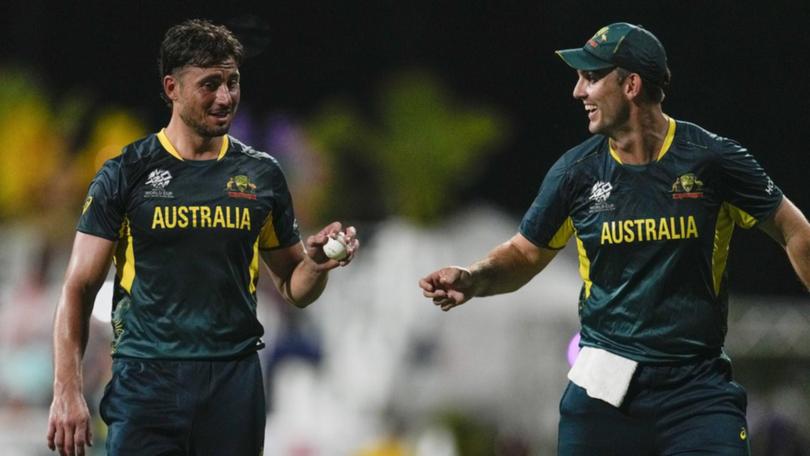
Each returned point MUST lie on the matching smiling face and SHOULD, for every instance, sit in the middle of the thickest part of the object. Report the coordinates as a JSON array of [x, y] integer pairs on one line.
[[602, 93], [206, 98]]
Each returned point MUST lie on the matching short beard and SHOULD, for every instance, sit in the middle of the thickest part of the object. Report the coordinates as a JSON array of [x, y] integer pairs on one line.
[[204, 130], [619, 121]]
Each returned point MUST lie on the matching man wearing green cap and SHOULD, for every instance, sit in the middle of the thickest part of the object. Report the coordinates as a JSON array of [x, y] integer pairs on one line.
[[652, 203]]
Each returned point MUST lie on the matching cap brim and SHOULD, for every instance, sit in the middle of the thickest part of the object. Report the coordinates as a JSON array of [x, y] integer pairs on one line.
[[580, 59]]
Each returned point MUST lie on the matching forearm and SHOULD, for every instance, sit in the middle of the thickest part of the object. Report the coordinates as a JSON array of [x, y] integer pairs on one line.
[[71, 331], [798, 251], [508, 267], [789, 227], [306, 283]]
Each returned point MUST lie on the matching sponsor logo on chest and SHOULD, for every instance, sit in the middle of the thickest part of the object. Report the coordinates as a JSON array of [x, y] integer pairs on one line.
[[687, 186], [158, 180], [600, 192], [241, 187]]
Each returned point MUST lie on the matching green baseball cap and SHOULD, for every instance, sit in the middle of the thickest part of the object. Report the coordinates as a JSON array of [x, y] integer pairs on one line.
[[624, 45]]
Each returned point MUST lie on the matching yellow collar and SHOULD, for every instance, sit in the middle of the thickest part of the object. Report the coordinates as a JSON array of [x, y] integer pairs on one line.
[[164, 141], [664, 147]]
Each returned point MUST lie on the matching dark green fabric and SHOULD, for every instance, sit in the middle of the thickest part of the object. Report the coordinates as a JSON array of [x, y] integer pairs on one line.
[[193, 227], [653, 295], [194, 408], [685, 410], [621, 45]]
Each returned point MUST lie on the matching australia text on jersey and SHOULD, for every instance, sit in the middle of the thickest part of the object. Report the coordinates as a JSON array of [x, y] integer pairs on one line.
[[649, 229], [170, 217]]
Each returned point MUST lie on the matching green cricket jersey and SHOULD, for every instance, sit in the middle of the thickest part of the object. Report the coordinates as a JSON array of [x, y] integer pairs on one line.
[[188, 238], [653, 239]]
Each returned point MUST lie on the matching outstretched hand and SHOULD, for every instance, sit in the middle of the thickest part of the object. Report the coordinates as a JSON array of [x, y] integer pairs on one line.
[[448, 287], [314, 245]]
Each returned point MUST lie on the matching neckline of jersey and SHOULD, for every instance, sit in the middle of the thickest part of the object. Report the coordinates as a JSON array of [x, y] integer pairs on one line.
[[668, 138], [169, 147]]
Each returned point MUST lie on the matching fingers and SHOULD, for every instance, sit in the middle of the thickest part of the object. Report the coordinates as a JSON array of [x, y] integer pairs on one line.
[[348, 237], [69, 440], [352, 244], [67, 447], [437, 292], [334, 230], [81, 438], [69, 431], [447, 305], [351, 232], [448, 300], [443, 279], [446, 287], [330, 230], [51, 435], [59, 440]]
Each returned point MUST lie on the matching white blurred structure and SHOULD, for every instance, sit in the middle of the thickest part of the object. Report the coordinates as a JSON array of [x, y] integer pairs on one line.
[[390, 350]]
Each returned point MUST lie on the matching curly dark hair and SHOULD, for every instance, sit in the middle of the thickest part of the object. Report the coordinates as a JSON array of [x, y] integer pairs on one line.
[[197, 42]]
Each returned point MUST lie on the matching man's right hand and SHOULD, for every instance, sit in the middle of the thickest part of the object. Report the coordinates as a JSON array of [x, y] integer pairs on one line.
[[448, 287], [69, 424]]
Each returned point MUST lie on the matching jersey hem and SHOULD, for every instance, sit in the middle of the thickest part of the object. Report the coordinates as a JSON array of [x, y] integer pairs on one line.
[[232, 357]]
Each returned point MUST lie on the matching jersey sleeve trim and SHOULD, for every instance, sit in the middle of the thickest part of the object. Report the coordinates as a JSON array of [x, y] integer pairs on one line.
[[267, 236], [125, 258], [740, 217], [584, 266], [562, 235], [722, 239], [254, 268]]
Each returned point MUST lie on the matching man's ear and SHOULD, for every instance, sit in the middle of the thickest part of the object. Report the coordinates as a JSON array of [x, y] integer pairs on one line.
[[171, 87], [632, 86]]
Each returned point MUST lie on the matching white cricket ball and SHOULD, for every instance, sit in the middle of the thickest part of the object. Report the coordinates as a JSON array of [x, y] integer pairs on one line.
[[335, 248]]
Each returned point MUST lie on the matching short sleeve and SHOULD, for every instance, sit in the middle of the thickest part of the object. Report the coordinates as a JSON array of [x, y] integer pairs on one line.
[[546, 223], [280, 229], [745, 186], [103, 211]]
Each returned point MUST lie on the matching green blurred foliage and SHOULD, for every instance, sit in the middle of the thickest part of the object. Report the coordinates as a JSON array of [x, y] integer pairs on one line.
[[31, 152], [412, 158], [46, 163]]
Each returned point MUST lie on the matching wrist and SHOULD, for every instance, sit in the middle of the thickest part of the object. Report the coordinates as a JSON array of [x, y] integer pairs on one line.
[[67, 386], [313, 268], [471, 277]]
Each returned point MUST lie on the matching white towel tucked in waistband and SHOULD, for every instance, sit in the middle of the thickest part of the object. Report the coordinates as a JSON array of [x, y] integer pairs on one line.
[[602, 374]]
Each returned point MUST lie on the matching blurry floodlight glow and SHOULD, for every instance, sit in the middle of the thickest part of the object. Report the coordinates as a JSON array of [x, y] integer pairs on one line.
[[573, 349], [102, 309]]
